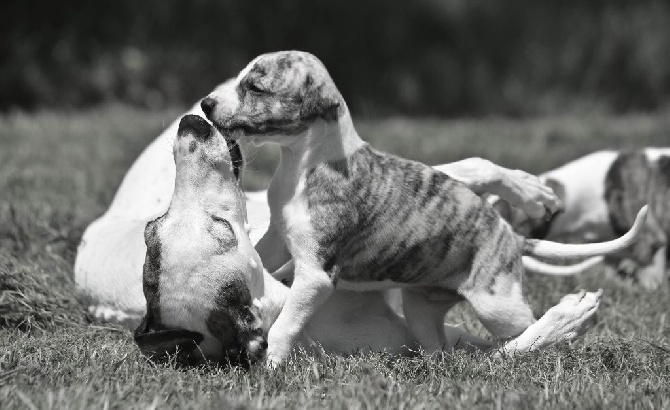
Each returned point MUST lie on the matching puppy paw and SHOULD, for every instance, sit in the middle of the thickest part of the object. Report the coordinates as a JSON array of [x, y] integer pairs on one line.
[[571, 317]]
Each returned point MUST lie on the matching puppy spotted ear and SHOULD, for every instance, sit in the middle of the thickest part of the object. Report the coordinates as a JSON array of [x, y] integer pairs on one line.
[[321, 100]]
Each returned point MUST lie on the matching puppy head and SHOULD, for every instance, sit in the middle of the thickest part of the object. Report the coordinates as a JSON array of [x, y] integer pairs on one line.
[[197, 284], [276, 96]]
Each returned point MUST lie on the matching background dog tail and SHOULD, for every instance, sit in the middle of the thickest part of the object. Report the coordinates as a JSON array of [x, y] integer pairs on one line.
[[531, 264], [548, 249]]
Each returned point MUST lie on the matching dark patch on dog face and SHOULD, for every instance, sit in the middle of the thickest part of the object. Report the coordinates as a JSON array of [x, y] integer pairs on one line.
[[626, 187], [630, 183], [151, 269], [283, 94], [660, 202], [236, 323], [154, 340]]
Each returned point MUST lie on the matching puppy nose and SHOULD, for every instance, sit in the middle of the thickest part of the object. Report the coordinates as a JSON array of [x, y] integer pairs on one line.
[[208, 105], [194, 124]]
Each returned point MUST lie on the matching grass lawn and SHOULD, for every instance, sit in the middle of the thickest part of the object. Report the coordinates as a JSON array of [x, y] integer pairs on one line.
[[59, 171]]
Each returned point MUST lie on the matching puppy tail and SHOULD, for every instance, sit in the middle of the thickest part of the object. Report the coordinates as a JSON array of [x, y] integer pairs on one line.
[[548, 249], [533, 265]]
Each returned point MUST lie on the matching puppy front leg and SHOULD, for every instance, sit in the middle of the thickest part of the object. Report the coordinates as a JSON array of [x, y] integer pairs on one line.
[[311, 287]]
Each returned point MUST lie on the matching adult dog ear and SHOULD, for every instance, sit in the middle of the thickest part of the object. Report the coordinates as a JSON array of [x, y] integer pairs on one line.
[[159, 343], [320, 100]]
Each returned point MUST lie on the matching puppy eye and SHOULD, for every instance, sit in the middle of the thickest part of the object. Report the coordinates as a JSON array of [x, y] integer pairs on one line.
[[255, 88]]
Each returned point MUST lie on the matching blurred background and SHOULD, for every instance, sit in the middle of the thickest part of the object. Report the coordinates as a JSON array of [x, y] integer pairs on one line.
[[423, 57]]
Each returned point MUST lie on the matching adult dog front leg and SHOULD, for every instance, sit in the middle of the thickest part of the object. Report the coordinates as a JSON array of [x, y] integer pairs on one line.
[[517, 187], [311, 288]]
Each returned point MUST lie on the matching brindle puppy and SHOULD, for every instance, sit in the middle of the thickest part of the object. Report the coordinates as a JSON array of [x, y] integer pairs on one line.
[[359, 219], [207, 313]]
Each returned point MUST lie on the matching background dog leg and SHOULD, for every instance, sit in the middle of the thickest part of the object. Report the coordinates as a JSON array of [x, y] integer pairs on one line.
[[653, 275]]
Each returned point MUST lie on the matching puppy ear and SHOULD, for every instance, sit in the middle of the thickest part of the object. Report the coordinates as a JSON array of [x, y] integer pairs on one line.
[[320, 100]]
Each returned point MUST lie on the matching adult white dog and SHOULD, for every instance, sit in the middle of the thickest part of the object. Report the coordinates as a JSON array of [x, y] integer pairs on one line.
[[108, 268]]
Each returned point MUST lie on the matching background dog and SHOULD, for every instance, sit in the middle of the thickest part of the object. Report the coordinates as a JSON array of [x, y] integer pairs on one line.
[[601, 193]]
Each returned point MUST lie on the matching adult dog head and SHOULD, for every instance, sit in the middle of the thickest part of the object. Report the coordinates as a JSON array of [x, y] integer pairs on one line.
[[277, 97], [201, 273]]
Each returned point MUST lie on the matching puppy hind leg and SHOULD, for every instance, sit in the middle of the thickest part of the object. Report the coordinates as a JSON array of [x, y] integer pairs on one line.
[[504, 314], [569, 319], [424, 314]]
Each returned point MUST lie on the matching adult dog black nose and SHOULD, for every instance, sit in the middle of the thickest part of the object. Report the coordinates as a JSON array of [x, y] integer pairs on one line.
[[194, 124], [208, 105]]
